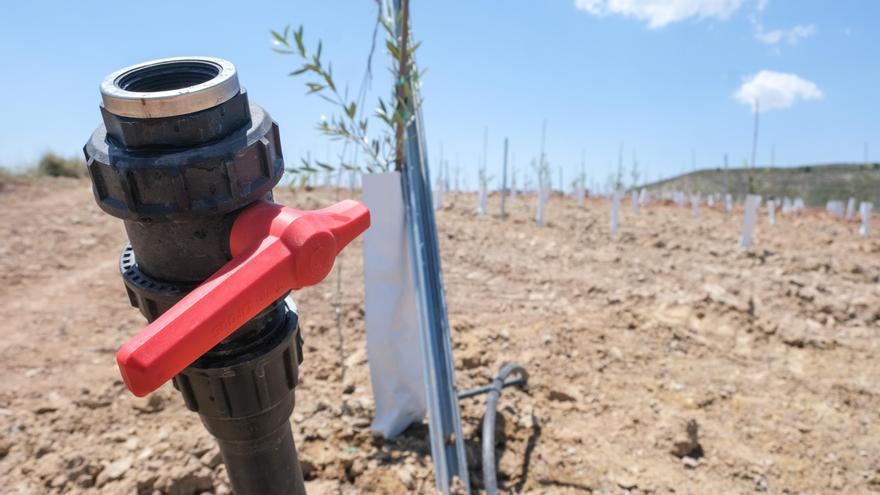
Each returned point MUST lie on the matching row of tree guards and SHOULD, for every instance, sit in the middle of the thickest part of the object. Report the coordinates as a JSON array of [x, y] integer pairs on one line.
[[846, 210], [639, 197]]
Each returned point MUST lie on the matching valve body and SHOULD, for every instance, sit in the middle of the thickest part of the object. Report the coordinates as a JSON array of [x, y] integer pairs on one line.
[[180, 154]]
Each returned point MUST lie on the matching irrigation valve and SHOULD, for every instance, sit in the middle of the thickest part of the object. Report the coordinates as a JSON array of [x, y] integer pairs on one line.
[[188, 164], [274, 249]]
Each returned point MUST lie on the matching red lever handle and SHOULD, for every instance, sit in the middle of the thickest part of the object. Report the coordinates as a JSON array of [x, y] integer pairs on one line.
[[274, 249]]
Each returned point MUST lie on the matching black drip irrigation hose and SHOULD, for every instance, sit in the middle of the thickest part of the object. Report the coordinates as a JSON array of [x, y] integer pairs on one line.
[[490, 480]]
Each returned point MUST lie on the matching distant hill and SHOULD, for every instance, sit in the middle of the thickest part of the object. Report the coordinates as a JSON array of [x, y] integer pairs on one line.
[[816, 184]]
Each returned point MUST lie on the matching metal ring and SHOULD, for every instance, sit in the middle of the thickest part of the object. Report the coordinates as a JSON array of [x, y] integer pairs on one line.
[[169, 87]]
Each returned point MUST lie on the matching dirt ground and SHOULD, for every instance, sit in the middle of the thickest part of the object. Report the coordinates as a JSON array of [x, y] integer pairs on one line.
[[664, 360]]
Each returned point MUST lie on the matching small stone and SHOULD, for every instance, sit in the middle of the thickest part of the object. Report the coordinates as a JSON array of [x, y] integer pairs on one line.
[[308, 468], [356, 358], [51, 403], [117, 469], [145, 454], [146, 482], [561, 395], [470, 358], [690, 462], [406, 474], [152, 403], [58, 481], [48, 466], [625, 481], [348, 385], [189, 479], [358, 466], [85, 481], [5, 446], [212, 458]]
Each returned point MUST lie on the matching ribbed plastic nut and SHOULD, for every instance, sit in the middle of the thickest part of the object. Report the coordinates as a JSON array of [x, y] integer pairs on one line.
[[274, 249], [248, 387], [164, 185], [152, 297]]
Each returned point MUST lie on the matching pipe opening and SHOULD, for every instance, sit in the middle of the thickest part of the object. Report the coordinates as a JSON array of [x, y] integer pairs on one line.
[[168, 76], [169, 87]]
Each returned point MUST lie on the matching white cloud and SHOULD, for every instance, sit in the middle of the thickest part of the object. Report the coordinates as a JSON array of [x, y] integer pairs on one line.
[[791, 36], [659, 13], [776, 90]]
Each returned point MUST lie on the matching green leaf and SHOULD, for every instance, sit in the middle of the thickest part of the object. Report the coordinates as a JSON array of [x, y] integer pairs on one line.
[[325, 166], [298, 37], [279, 38], [328, 78], [301, 70], [314, 87], [351, 110], [392, 49]]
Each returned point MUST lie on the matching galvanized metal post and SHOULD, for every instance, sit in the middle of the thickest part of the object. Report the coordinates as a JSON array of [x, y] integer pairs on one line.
[[447, 440]]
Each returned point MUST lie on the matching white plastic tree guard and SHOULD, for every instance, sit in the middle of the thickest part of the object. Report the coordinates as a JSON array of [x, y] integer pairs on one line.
[[771, 211], [390, 309], [615, 212], [786, 206], [753, 202], [836, 208], [728, 203], [439, 189], [865, 212], [543, 196], [695, 205], [634, 198], [850, 209]]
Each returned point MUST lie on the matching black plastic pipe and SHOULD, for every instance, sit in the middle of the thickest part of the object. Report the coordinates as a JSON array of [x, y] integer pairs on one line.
[[490, 481]]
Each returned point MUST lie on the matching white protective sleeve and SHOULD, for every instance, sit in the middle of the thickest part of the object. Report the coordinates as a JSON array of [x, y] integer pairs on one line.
[[391, 317]]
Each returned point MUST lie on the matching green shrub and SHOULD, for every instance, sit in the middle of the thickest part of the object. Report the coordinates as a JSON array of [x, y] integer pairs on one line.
[[53, 165]]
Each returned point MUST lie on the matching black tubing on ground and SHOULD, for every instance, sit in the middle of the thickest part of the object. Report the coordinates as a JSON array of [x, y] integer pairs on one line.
[[490, 480]]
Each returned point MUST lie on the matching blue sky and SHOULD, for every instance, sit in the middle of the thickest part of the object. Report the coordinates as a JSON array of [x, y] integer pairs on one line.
[[658, 77]]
